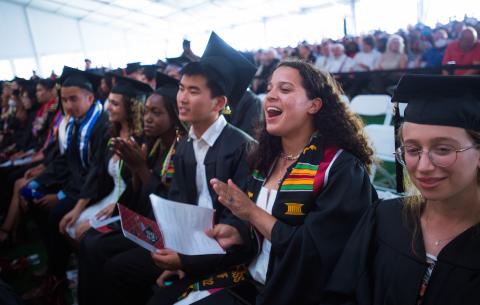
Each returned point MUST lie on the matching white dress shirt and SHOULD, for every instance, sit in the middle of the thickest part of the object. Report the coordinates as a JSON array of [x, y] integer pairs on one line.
[[200, 148]]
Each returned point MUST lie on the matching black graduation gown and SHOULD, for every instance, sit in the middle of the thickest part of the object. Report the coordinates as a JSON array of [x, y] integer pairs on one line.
[[67, 169], [246, 113], [381, 264], [224, 160], [100, 185], [97, 248], [306, 242], [138, 200], [23, 136]]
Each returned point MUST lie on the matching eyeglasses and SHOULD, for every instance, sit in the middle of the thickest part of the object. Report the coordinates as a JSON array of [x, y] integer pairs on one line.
[[440, 155]]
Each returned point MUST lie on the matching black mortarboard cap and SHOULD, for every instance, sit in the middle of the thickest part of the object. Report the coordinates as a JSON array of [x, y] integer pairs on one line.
[[118, 71], [133, 67], [149, 71], [178, 61], [129, 87], [167, 86], [441, 100], [19, 80], [235, 71], [77, 78], [98, 71], [437, 100]]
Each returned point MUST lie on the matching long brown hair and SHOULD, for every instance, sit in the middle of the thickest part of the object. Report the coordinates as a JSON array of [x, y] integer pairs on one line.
[[335, 123], [134, 111]]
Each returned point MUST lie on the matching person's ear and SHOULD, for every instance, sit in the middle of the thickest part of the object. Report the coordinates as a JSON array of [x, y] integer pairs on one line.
[[220, 102], [91, 98], [315, 105]]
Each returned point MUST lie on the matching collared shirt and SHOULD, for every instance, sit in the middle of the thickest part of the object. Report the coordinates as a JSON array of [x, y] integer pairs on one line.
[[200, 148]]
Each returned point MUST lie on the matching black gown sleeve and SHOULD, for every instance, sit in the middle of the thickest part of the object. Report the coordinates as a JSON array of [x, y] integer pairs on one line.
[[305, 255], [350, 281], [51, 152]]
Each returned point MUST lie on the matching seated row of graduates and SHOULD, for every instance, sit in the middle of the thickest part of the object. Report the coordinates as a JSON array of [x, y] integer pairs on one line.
[[286, 205]]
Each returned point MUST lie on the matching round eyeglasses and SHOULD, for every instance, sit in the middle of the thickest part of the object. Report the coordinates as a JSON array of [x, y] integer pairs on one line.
[[440, 155]]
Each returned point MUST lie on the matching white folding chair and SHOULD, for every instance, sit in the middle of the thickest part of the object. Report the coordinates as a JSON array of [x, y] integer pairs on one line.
[[382, 138], [372, 105]]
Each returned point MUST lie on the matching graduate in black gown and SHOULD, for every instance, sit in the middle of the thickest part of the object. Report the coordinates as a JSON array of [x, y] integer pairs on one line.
[[309, 185], [152, 174], [125, 110], [41, 146], [214, 148], [85, 146], [425, 248]]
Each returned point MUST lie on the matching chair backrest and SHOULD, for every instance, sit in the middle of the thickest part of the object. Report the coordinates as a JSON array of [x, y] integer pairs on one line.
[[344, 99], [262, 96], [382, 138], [377, 107], [401, 108]]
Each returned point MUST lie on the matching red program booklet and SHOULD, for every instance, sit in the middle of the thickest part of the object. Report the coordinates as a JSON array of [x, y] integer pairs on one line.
[[140, 229]]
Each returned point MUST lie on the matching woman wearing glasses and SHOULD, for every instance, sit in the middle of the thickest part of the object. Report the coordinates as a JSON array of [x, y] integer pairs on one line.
[[424, 248]]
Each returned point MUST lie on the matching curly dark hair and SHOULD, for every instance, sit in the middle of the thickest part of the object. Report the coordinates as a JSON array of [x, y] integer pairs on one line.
[[335, 123], [134, 119]]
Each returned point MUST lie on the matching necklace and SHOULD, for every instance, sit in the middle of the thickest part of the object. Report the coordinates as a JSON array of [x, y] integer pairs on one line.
[[437, 242], [289, 157]]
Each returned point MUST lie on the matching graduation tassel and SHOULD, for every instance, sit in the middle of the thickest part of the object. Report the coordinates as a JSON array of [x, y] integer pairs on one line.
[[227, 110]]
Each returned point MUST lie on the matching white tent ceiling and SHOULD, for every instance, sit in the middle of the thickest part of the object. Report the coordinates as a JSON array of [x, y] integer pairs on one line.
[[176, 17], [44, 35]]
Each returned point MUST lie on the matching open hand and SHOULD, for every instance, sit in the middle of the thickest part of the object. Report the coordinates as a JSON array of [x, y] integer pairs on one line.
[[130, 152], [232, 197]]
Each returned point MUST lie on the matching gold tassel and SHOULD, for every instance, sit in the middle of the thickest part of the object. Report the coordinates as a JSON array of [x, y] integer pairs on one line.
[[227, 110]]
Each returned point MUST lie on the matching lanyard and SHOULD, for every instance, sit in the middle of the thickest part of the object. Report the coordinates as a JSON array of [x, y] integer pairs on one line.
[[118, 175]]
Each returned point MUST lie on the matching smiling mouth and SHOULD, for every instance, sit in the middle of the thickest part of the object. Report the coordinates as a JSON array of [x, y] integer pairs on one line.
[[429, 182], [273, 112]]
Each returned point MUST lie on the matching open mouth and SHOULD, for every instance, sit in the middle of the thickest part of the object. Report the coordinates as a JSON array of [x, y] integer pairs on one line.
[[273, 112]]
